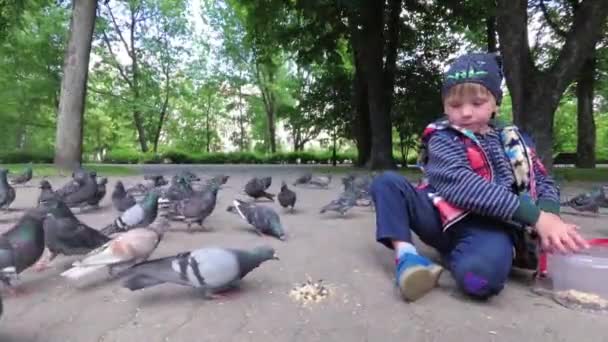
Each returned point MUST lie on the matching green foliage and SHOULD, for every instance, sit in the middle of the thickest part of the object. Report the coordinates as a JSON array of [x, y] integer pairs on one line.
[[182, 157], [48, 170]]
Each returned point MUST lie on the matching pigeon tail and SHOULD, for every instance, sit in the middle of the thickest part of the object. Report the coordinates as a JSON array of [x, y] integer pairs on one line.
[[269, 196]]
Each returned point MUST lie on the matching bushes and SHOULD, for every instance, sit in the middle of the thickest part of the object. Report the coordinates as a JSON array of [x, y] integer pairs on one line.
[[15, 157], [181, 157]]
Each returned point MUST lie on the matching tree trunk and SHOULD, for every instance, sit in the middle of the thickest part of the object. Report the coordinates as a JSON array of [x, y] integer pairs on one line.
[[402, 147], [241, 122], [68, 142], [534, 103], [585, 147], [334, 150], [491, 34], [360, 121], [371, 53], [207, 124]]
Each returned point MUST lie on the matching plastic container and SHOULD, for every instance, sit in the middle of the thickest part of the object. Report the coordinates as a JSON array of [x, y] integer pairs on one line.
[[586, 271]]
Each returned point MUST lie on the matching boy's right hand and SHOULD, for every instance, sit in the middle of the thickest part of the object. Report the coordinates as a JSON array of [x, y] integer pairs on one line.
[[557, 235]]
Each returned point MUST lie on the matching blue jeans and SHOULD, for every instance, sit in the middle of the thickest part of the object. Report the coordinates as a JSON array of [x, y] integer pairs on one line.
[[477, 250]]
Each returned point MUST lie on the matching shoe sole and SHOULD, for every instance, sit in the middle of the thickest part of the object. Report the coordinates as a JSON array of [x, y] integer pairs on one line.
[[436, 271], [415, 282]]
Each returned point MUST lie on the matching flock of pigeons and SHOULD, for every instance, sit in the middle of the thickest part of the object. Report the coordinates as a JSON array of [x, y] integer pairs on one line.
[[124, 246]]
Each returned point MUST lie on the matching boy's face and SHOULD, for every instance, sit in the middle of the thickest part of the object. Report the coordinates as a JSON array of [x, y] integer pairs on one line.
[[470, 106]]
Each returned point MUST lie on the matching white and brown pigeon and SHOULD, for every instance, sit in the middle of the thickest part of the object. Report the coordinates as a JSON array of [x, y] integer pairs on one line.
[[122, 252]]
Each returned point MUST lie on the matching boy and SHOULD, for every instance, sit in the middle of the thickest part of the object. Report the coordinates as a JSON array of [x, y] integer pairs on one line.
[[484, 187]]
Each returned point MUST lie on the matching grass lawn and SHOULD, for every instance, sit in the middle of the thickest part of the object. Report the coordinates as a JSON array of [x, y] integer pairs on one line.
[[42, 170]]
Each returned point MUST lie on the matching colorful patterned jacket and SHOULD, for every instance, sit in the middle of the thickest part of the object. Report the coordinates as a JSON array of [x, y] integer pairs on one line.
[[520, 151]]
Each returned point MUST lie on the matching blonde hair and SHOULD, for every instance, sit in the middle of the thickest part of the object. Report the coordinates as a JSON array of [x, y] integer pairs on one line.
[[468, 89]]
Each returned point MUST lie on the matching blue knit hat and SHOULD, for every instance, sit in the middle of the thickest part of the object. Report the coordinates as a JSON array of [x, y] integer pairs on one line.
[[481, 68]]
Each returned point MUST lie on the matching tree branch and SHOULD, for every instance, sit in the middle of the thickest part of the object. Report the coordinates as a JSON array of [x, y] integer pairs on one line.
[[589, 21], [553, 25], [122, 38], [122, 72]]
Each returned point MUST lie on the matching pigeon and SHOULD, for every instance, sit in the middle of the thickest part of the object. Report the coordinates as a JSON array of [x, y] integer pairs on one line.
[[189, 176], [121, 199], [65, 234], [360, 185], [211, 270], [287, 198], [256, 188], [157, 180], [46, 192], [197, 208], [22, 245], [342, 204], [179, 189], [589, 202], [7, 192], [85, 194], [321, 181], [100, 194], [303, 179], [78, 179], [219, 179], [139, 215], [122, 252], [23, 178], [264, 219]]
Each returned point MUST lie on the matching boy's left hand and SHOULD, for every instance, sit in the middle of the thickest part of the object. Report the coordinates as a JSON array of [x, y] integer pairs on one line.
[[559, 236]]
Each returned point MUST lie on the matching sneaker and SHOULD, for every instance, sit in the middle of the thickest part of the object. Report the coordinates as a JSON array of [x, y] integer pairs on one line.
[[416, 276]]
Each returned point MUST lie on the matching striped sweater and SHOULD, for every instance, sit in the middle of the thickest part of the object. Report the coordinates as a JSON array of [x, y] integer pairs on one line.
[[451, 176]]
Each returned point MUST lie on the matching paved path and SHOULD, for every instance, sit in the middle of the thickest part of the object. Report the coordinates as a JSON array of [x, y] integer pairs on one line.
[[363, 307]]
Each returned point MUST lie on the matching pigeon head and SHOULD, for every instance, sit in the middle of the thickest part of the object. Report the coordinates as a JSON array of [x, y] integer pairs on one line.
[[44, 184], [103, 181], [93, 173], [265, 252], [119, 186], [283, 185], [57, 207]]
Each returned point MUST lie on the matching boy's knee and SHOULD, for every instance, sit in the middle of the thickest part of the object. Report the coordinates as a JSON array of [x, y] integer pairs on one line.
[[386, 179], [479, 277]]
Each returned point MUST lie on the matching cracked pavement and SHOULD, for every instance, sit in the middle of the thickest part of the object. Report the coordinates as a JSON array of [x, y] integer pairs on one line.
[[364, 305]]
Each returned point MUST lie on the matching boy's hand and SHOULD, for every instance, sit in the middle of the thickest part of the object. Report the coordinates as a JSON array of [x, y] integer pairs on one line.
[[557, 235]]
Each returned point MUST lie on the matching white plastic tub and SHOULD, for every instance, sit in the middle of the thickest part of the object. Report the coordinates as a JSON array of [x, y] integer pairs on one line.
[[586, 271]]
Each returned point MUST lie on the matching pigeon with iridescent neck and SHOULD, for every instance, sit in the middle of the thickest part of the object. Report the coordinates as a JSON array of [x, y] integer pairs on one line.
[[139, 215]]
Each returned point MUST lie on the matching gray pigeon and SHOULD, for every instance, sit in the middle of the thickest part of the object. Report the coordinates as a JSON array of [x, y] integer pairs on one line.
[[321, 181], [256, 188], [189, 176], [211, 270], [196, 208], [78, 180], [342, 204], [122, 252], [121, 199], [46, 192], [287, 198], [179, 189], [157, 180], [7, 192], [86, 193], [139, 215], [100, 194], [65, 234], [589, 202], [22, 245], [264, 219], [360, 185], [25, 177], [303, 179]]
